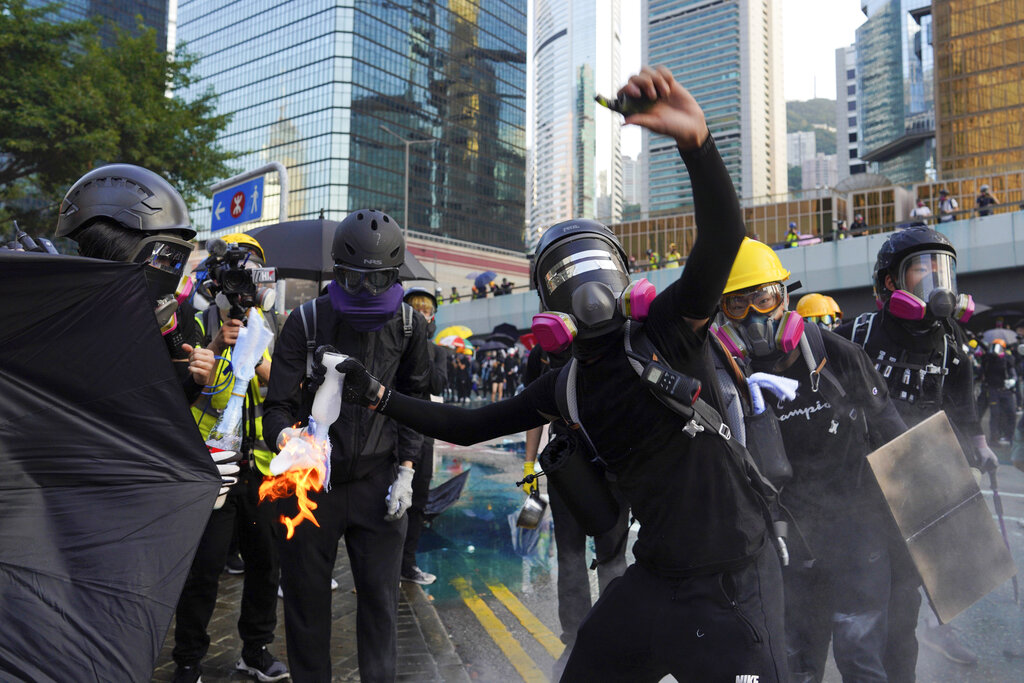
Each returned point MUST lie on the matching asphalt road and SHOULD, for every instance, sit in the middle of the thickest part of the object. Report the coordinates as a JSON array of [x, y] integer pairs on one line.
[[496, 591]]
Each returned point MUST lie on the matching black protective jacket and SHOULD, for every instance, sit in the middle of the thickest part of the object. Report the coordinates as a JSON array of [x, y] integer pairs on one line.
[[361, 439], [698, 513]]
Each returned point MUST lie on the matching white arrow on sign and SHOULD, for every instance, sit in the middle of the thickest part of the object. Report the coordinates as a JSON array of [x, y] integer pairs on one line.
[[219, 210], [255, 198]]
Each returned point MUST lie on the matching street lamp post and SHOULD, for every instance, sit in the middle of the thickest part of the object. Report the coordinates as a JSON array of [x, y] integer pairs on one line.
[[408, 144]]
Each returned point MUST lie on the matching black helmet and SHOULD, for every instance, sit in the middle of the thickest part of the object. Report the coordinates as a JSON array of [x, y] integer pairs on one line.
[[898, 247], [368, 249], [132, 196], [369, 239], [581, 270]]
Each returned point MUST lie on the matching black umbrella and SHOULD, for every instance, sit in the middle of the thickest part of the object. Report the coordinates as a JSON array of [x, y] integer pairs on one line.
[[445, 495], [302, 249], [106, 484], [491, 345]]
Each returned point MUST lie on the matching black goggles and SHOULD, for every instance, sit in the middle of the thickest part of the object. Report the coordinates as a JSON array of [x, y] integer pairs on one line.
[[374, 281], [165, 253]]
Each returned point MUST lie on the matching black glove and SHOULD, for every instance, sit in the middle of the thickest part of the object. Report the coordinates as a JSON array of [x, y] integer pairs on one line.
[[361, 387], [314, 381]]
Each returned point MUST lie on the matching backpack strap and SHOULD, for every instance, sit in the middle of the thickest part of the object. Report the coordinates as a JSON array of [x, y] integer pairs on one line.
[[407, 313], [568, 405], [308, 313], [812, 348], [862, 329]]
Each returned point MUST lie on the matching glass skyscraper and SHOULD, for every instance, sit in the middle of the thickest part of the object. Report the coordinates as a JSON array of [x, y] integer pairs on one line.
[[310, 84], [577, 166], [979, 77], [728, 53], [115, 13], [895, 107]]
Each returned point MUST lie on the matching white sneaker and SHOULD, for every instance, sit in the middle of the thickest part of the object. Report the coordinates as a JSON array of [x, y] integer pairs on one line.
[[419, 576]]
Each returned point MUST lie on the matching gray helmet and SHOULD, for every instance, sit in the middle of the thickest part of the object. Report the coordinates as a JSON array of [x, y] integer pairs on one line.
[[368, 239], [132, 196]]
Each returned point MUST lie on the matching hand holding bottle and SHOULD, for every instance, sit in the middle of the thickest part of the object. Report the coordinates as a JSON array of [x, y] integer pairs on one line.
[[674, 111]]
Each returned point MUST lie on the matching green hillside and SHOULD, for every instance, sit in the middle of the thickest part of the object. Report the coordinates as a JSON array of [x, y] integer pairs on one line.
[[804, 115]]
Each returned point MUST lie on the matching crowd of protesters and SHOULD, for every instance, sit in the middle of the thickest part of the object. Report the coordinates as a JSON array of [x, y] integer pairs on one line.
[[687, 464]]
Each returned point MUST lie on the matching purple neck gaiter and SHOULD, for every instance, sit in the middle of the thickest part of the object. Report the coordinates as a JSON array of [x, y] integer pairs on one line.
[[363, 311]]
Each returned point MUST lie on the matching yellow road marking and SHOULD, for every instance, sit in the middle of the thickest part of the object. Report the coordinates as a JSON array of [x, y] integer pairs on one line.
[[498, 633], [542, 633]]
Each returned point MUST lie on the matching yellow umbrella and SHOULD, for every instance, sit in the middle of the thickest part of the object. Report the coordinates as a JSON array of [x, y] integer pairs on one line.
[[453, 331]]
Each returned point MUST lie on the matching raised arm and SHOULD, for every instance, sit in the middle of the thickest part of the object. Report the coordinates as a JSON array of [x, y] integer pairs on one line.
[[720, 228]]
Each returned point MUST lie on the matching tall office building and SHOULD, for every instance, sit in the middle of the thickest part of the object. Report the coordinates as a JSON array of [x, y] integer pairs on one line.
[[848, 160], [800, 146], [117, 13], [895, 106], [576, 145], [979, 57], [314, 84], [728, 53], [630, 181]]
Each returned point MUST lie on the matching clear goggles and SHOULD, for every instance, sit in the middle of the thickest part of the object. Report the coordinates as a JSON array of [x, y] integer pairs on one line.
[[164, 253], [924, 272], [763, 299], [374, 281]]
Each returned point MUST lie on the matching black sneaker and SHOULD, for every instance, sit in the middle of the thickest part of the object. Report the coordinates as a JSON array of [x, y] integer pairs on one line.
[[263, 665], [187, 674], [235, 564]]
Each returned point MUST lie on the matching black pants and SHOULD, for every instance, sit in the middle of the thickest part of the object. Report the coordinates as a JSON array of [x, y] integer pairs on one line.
[[844, 597], [355, 510], [1003, 414], [573, 579], [257, 527], [717, 628], [904, 606], [420, 492]]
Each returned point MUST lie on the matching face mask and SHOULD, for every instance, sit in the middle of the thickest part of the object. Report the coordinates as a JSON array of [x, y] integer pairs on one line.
[[760, 336], [941, 303], [555, 331]]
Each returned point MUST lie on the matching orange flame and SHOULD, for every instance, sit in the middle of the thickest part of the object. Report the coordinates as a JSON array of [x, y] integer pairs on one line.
[[297, 482]]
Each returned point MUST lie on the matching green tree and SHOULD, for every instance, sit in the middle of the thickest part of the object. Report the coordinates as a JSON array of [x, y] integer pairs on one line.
[[69, 104]]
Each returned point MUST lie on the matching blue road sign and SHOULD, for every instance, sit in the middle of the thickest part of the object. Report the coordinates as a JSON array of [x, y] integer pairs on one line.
[[238, 204]]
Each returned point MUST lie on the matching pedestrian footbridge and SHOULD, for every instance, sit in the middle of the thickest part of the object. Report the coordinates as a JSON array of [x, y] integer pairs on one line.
[[990, 256]]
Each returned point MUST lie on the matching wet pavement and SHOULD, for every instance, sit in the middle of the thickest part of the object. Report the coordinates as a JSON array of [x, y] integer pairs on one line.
[[496, 600]]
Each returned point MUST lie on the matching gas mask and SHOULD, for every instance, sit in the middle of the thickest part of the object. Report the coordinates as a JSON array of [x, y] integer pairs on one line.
[[926, 289], [752, 326], [596, 305], [164, 259], [580, 276]]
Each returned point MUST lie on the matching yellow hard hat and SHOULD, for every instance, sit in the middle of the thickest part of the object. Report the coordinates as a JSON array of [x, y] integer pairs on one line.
[[813, 305], [246, 241], [755, 264], [836, 311]]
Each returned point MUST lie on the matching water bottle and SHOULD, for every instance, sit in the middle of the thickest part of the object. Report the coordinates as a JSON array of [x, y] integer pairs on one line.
[[327, 401], [624, 104]]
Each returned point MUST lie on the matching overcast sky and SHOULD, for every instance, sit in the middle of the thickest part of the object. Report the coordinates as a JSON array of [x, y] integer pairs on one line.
[[812, 30]]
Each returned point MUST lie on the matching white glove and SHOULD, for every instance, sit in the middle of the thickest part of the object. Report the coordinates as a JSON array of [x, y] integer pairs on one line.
[[227, 466], [987, 460], [1009, 383], [399, 497], [782, 387]]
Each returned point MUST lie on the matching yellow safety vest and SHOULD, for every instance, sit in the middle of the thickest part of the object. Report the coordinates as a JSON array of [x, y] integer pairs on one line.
[[207, 410], [673, 259]]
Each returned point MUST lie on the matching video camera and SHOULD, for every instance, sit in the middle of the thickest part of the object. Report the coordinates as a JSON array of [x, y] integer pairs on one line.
[[227, 274]]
